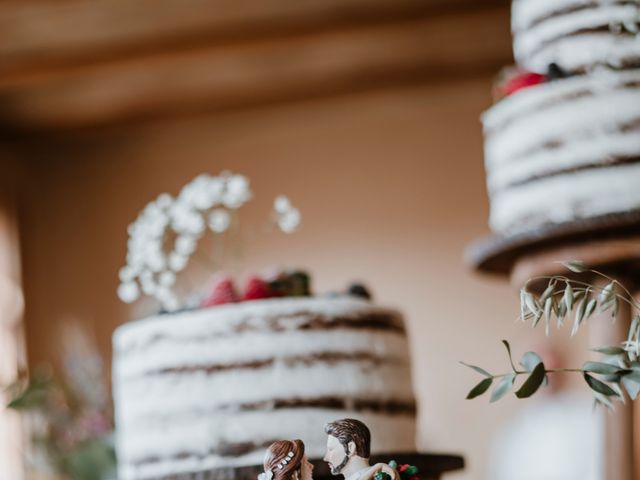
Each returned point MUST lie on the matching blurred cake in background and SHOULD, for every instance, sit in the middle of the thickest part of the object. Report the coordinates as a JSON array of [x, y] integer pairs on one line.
[[563, 141], [201, 391]]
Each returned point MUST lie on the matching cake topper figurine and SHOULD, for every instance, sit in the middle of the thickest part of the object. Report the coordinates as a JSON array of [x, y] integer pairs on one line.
[[285, 460], [348, 451]]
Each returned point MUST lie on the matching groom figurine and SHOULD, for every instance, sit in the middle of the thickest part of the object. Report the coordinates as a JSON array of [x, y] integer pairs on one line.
[[348, 451]]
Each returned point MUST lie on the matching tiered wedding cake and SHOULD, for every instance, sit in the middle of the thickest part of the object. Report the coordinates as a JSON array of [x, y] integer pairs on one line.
[[205, 390], [563, 146]]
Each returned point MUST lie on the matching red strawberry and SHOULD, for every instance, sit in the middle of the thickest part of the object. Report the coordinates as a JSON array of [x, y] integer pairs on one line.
[[256, 288], [223, 291], [512, 79], [520, 80], [403, 467]]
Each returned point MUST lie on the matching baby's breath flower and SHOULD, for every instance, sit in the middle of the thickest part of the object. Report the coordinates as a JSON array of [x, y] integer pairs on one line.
[[219, 220], [287, 216], [153, 260], [128, 292]]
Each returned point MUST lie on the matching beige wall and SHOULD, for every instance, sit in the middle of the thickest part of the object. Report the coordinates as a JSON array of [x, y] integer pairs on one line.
[[391, 187]]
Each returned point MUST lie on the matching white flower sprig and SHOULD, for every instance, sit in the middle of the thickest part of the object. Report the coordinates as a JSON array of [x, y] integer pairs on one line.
[[166, 233], [288, 217]]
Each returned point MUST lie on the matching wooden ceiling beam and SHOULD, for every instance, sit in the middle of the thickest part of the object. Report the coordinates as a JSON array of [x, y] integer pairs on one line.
[[222, 75]]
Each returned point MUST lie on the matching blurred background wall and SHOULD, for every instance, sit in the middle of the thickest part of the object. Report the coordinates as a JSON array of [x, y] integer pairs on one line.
[[365, 113]]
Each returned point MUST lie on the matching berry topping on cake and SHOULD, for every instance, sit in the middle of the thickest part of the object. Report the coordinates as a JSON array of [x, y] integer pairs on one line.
[[359, 290], [291, 284], [222, 292], [256, 289], [513, 79], [554, 72]]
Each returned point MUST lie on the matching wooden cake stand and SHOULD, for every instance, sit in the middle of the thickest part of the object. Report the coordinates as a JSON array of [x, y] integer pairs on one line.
[[611, 246]]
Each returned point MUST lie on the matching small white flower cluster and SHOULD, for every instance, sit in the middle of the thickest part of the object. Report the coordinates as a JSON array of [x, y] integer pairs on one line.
[[288, 216], [206, 203]]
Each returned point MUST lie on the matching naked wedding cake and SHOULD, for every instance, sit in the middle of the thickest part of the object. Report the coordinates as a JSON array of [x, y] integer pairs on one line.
[[563, 144], [208, 389], [200, 391]]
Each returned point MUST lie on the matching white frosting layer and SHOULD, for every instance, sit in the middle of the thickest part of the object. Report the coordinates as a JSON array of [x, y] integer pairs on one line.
[[192, 382], [259, 426], [558, 31], [566, 198], [577, 123]]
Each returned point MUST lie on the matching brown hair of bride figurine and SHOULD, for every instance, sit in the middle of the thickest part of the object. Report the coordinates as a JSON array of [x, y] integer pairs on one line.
[[348, 451], [285, 460]]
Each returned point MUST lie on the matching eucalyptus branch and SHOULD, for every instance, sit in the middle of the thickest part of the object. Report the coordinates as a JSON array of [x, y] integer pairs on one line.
[[611, 375], [609, 379]]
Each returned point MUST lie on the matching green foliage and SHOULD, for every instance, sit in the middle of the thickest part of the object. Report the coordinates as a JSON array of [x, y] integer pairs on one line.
[[504, 387], [93, 460], [480, 388], [619, 370], [531, 384], [28, 394], [477, 369], [72, 410]]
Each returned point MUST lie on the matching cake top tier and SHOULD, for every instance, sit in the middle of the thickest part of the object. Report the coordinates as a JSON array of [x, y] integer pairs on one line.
[[260, 315], [576, 35]]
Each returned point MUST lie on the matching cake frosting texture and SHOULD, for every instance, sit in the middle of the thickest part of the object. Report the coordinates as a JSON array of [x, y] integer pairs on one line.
[[202, 390], [562, 145], [577, 35], [564, 151]]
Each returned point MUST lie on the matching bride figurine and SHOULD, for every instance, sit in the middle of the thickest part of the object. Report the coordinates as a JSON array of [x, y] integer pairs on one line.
[[285, 460]]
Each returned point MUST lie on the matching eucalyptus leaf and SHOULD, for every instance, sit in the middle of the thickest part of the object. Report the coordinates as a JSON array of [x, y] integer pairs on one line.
[[480, 388], [576, 266], [598, 386], [602, 368], [602, 400], [613, 378], [481, 371], [615, 386], [504, 386], [533, 382], [530, 360], [508, 347], [631, 383], [610, 350]]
